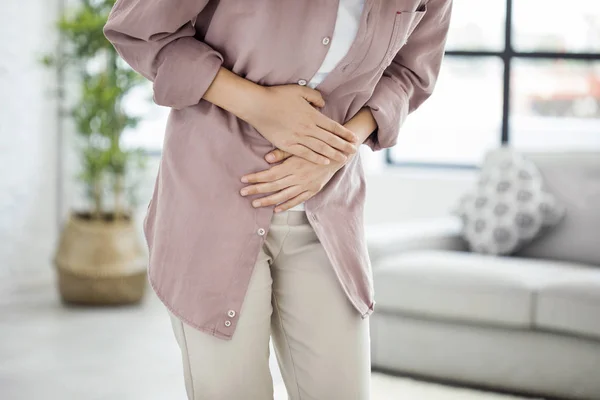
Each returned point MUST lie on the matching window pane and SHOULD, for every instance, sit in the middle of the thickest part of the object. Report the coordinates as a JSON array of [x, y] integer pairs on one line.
[[461, 120], [477, 25], [555, 104], [556, 26], [150, 131]]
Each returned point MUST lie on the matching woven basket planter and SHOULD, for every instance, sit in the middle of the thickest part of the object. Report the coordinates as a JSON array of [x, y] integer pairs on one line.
[[100, 262]]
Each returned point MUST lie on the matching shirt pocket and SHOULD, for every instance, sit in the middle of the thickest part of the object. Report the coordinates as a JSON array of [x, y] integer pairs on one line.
[[404, 25]]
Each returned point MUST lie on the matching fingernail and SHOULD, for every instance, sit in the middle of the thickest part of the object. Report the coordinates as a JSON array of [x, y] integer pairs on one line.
[[270, 157], [327, 161], [244, 192], [256, 203], [244, 179], [278, 210]]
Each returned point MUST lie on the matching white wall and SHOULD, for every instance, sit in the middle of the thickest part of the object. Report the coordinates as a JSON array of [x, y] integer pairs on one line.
[[28, 164], [405, 194]]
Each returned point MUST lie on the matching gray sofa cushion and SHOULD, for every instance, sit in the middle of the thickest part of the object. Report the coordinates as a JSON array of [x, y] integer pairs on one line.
[[574, 178], [467, 287], [571, 305]]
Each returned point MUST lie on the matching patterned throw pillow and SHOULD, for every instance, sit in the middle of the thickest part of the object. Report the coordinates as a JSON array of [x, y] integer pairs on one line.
[[509, 207]]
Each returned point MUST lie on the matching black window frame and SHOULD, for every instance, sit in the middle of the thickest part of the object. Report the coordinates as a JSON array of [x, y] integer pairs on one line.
[[507, 55]]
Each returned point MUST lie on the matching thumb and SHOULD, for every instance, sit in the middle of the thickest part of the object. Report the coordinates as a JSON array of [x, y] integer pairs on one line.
[[276, 156]]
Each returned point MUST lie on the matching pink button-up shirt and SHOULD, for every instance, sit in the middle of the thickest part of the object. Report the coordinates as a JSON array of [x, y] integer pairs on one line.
[[204, 238]]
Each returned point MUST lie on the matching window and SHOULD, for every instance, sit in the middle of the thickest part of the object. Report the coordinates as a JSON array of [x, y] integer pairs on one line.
[[519, 72], [150, 131]]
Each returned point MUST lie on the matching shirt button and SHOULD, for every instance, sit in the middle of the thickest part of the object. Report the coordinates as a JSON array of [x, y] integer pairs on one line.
[[227, 323], [261, 232], [302, 82], [326, 40], [231, 313]]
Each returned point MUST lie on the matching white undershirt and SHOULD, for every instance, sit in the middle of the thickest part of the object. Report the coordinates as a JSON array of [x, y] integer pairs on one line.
[[346, 28]]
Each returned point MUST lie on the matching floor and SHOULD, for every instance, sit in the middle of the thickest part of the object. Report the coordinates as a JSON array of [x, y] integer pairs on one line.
[[49, 351]]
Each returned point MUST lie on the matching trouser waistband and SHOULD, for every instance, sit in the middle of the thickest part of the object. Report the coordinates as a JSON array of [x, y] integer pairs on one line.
[[290, 218]]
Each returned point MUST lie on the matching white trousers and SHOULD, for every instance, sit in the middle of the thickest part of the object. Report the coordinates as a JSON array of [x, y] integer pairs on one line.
[[321, 342]]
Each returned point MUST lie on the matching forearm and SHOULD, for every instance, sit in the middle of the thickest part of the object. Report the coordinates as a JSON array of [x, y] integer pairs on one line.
[[363, 124], [233, 93]]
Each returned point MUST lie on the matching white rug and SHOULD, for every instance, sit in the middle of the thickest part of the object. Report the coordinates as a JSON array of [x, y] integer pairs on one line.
[[386, 387]]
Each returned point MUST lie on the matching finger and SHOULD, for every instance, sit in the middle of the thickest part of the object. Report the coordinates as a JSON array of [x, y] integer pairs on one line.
[[330, 125], [268, 187], [301, 198], [268, 175], [334, 141], [279, 197], [323, 148], [309, 155], [313, 96], [276, 155]]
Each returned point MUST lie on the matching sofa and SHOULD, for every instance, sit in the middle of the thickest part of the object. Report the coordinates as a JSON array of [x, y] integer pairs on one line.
[[528, 323]]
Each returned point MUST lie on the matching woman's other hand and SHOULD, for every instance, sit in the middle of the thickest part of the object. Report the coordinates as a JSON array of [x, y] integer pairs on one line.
[[290, 183]]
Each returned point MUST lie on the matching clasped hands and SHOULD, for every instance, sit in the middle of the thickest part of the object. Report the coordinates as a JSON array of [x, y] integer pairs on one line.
[[310, 148]]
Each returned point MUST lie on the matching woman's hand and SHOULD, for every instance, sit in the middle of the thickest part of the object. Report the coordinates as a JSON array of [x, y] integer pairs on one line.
[[292, 182], [286, 116], [362, 124]]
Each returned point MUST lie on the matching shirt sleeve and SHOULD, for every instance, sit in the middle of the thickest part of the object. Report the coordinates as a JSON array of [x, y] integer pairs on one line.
[[409, 80], [156, 38]]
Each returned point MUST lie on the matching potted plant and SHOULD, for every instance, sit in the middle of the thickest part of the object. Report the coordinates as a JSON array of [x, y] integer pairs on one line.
[[100, 258]]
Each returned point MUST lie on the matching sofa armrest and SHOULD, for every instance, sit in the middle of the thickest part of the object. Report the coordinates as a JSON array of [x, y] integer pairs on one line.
[[432, 234]]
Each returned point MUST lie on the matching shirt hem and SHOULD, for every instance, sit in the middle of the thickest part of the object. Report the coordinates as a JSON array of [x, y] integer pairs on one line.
[[167, 304]]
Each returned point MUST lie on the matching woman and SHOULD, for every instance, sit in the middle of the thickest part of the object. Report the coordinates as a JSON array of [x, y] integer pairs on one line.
[[248, 139]]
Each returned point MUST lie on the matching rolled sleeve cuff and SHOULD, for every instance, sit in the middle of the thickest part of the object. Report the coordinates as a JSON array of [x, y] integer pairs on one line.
[[389, 107], [188, 71]]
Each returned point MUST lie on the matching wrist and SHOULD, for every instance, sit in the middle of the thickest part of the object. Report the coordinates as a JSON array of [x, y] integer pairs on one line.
[[363, 124], [235, 94], [252, 102]]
